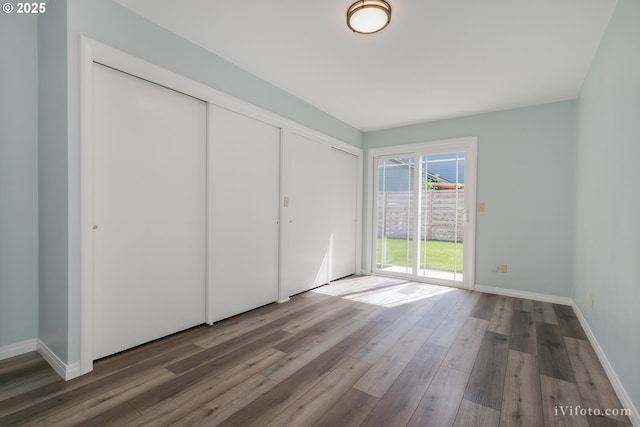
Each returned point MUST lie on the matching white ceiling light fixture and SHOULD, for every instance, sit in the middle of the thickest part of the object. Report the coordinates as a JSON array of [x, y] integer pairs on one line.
[[368, 16]]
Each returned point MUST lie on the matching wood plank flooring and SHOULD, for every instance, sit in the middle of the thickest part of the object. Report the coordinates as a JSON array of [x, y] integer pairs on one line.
[[364, 351]]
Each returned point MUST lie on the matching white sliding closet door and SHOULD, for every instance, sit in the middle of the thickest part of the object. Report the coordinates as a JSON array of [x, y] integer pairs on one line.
[[343, 176], [244, 189], [319, 229], [149, 179]]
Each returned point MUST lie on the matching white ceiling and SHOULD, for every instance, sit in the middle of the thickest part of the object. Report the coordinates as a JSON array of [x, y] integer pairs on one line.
[[437, 59]]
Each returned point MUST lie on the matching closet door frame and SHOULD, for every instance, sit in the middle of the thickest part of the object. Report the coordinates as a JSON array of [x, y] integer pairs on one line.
[[80, 177]]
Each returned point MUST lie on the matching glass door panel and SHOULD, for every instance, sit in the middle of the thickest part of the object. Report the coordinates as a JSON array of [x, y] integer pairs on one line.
[[441, 216], [395, 217]]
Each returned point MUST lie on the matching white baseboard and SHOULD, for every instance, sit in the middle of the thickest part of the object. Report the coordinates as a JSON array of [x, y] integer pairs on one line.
[[18, 348], [625, 400], [281, 301], [523, 294], [67, 372]]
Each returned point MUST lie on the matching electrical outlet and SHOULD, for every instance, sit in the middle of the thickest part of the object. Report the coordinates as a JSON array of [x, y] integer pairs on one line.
[[481, 207], [503, 268], [590, 300]]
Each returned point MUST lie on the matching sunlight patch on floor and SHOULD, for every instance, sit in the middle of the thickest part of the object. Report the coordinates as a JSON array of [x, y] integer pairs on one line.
[[381, 291], [434, 274]]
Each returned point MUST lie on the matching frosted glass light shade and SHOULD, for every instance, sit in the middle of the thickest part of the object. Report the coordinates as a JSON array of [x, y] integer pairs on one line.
[[368, 16]]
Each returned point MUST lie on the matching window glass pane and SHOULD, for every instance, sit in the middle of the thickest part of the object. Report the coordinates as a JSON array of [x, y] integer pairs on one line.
[[395, 201], [441, 216]]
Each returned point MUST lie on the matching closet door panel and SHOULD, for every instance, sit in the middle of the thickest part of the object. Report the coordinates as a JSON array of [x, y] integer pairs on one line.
[[149, 189], [318, 214], [344, 169], [306, 233], [244, 188]]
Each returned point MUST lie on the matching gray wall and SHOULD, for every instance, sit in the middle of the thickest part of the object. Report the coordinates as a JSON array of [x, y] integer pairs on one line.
[[525, 179], [606, 239], [18, 178], [52, 179]]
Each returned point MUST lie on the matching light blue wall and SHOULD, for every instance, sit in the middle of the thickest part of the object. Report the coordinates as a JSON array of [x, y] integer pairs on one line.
[[606, 242], [52, 179], [525, 179], [18, 178]]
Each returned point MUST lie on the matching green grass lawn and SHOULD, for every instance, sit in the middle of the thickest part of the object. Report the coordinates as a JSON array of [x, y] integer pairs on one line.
[[439, 255]]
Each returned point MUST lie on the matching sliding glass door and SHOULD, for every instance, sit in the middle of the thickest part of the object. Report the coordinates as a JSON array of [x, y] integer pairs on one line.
[[442, 215], [424, 223], [395, 215]]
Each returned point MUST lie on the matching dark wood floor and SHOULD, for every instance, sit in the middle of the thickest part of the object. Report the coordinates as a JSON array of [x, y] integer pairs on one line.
[[362, 351]]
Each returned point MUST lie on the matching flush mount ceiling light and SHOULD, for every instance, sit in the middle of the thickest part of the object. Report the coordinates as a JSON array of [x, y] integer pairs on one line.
[[368, 16]]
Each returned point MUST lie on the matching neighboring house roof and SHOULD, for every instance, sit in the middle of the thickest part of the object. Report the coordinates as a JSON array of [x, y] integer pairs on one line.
[[441, 170]]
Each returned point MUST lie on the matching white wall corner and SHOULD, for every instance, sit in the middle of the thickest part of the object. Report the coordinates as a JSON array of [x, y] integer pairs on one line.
[[523, 294], [67, 372], [621, 392], [17, 349]]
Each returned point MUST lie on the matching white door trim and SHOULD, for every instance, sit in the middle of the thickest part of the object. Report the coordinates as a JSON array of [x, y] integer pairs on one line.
[[467, 144], [95, 51]]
